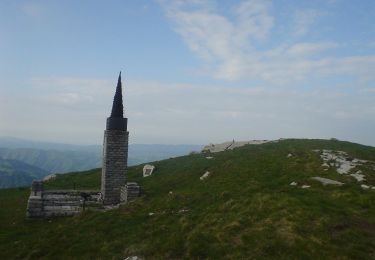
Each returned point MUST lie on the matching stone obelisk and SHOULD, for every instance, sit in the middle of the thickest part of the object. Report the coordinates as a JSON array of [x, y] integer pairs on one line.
[[115, 151]]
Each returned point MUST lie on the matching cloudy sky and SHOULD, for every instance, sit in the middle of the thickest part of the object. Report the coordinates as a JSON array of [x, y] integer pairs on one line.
[[194, 72]]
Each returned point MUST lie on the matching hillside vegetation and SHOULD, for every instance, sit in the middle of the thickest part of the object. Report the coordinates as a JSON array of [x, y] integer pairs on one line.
[[245, 209]]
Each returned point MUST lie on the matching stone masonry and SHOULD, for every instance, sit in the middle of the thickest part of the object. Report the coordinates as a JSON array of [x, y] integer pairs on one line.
[[115, 151], [115, 157], [54, 203]]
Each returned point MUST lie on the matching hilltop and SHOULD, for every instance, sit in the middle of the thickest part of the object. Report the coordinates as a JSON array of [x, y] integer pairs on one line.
[[245, 208]]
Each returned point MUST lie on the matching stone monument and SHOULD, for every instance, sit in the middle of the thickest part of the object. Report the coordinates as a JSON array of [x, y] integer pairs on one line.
[[115, 151], [53, 203]]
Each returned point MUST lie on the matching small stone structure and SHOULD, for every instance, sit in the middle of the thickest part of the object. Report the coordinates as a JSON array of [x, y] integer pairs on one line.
[[215, 148], [114, 188], [148, 170], [35, 202], [130, 192], [54, 203]]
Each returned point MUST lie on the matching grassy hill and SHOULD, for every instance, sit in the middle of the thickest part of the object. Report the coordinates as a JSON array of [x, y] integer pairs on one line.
[[14, 173], [246, 209]]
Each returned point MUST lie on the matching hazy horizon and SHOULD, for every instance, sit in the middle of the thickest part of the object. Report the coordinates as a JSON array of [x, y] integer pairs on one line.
[[194, 72], [12, 138]]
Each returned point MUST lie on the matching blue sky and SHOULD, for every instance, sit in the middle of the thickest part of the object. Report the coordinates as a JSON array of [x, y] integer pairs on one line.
[[193, 71]]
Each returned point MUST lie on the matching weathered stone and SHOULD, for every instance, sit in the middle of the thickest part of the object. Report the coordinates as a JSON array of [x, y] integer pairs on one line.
[[148, 170], [59, 203], [115, 153], [132, 191], [205, 175], [326, 181], [214, 148]]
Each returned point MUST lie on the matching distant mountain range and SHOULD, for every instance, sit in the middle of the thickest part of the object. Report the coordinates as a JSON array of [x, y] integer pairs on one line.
[[50, 158], [15, 173]]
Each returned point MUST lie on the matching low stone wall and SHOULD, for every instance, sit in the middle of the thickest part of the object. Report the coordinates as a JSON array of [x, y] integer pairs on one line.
[[53, 203], [67, 203]]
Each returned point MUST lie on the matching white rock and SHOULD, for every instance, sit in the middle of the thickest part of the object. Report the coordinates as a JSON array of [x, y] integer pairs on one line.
[[373, 187], [365, 186], [49, 177], [214, 148], [151, 213], [289, 155], [205, 175], [134, 257], [148, 170], [325, 165], [293, 183], [344, 167], [326, 181], [209, 157], [305, 186], [340, 160], [359, 177]]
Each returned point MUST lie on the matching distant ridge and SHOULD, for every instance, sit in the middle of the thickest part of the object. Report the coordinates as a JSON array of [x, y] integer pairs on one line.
[[62, 158], [14, 173], [13, 142]]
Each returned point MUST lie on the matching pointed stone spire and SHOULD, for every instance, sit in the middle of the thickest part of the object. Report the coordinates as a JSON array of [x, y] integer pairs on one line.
[[117, 121], [117, 107]]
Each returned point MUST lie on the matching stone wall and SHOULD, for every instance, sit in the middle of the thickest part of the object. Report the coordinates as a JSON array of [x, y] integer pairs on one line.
[[55, 203], [115, 158], [130, 192]]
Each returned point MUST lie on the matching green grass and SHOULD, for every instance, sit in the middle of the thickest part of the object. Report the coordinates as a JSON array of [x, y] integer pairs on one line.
[[245, 210]]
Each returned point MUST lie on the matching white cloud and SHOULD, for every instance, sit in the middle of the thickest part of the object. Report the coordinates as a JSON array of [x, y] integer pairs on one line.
[[307, 49], [230, 47], [162, 112], [71, 91], [254, 20], [304, 19]]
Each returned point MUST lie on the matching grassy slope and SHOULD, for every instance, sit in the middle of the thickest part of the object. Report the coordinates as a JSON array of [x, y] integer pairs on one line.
[[246, 208]]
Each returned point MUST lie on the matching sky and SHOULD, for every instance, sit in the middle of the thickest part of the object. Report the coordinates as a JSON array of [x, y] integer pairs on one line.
[[194, 72]]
